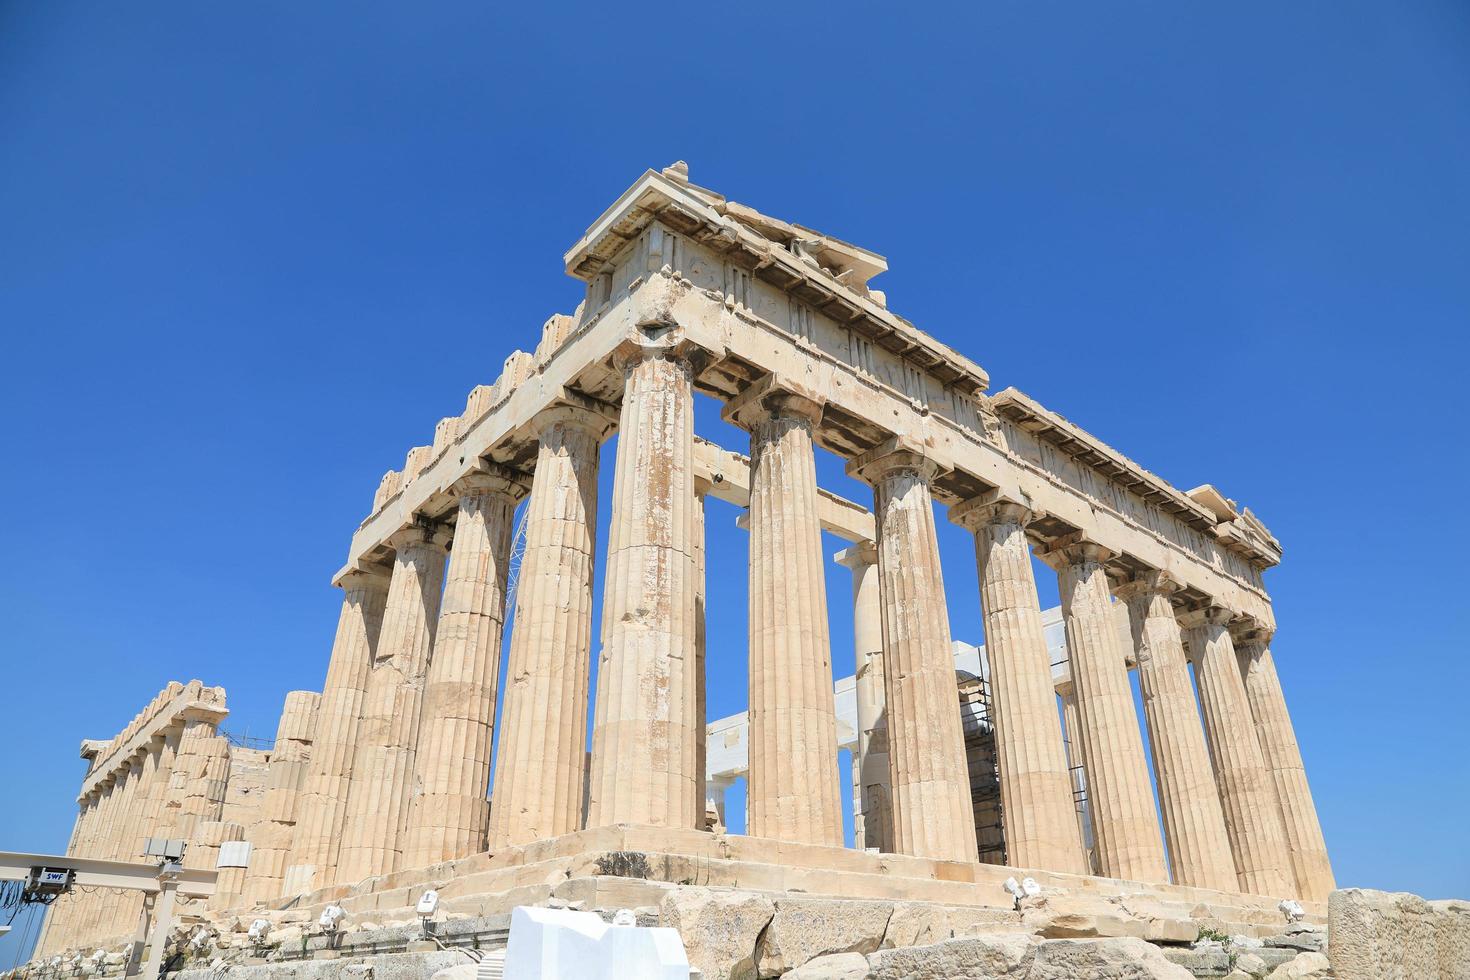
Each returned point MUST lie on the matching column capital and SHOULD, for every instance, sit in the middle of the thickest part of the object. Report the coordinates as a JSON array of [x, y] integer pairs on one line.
[[419, 534], [491, 478], [1250, 630], [659, 340], [896, 454], [1206, 616], [362, 576], [574, 410], [1073, 549], [862, 554], [773, 397], [1149, 582], [992, 507]]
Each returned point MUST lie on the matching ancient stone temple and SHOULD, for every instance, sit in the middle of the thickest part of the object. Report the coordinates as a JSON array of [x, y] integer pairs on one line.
[[965, 771]]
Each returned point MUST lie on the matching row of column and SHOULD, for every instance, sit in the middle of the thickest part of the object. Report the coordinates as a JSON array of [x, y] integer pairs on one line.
[[1237, 813], [408, 712], [166, 789]]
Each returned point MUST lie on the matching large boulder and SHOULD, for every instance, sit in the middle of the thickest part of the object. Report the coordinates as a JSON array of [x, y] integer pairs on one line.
[[805, 928], [1303, 966], [1377, 935], [922, 924], [1452, 935], [1123, 958], [977, 958], [838, 966], [463, 971], [719, 929]]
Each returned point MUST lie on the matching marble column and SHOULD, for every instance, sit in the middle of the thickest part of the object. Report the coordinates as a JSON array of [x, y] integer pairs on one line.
[[210, 839], [1194, 825], [1252, 816], [643, 769], [78, 902], [1071, 739], [1124, 822], [382, 772], [541, 759], [53, 933], [1283, 760], [271, 836], [700, 722], [156, 762], [933, 815], [870, 768], [793, 786], [127, 844], [450, 813], [89, 908], [1037, 806], [322, 805]]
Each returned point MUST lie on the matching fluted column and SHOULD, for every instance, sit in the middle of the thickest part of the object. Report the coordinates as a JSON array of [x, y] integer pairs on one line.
[[271, 836], [793, 784], [1283, 759], [1194, 825], [322, 806], [1247, 796], [541, 759], [108, 797], [53, 934], [450, 814], [643, 741], [156, 764], [382, 773], [700, 722], [1037, 807], [1124, 824], [932, 811], [125, 846], [1071, 739], [873, 819]]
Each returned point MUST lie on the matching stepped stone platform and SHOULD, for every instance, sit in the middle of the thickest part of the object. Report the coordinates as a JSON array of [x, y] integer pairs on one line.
[[630, 866]]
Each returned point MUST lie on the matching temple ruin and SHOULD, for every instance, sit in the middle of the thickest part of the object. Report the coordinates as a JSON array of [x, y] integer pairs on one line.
[[966, 771]]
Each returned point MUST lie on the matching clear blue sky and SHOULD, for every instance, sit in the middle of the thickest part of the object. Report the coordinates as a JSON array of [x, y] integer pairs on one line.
[[250, 253]]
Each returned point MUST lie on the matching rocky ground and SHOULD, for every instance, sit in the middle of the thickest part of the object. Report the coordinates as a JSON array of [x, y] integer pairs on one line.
[[746, 935]]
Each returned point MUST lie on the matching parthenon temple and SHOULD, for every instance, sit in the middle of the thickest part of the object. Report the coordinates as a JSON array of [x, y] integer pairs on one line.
[[970, 763]]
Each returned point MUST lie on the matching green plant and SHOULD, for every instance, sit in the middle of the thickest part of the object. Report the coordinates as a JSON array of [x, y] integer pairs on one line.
[[1214, 934]]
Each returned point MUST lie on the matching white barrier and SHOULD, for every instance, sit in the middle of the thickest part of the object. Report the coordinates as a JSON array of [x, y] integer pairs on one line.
[[559, 944]]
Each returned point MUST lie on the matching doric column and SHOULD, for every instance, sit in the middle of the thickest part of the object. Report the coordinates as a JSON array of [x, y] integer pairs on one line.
[[932, 812], [1071, 726], [155, 762], [1037, 807], [1119, 796], [449, 814], [540, 763], [109, 795], [643, 741], [124, 845], [793, 787], [63, 934], [701, 721], [53, 933], [1283, 759], [1247, 797], [382, 773], [271, 836], [870, 769], [322, 806], [210, 840], [1194, 825]]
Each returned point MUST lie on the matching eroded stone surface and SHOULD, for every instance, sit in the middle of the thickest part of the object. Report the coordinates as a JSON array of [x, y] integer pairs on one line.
[[720, 929], [803, 929]]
